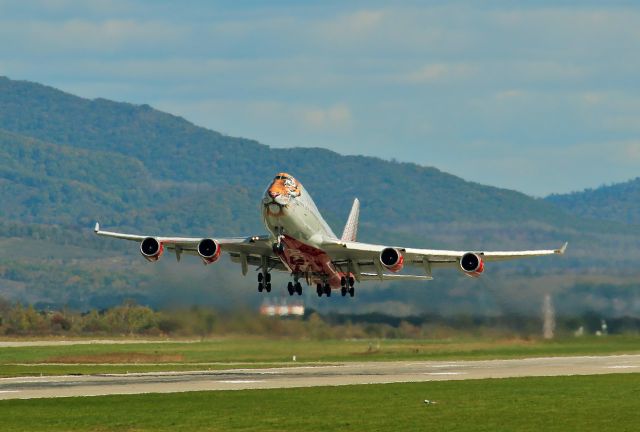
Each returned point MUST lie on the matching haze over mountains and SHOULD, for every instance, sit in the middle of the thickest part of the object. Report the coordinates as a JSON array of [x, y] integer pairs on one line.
[[66, 162]]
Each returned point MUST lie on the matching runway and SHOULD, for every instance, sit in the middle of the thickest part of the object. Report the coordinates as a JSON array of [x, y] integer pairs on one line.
[[310, 376]]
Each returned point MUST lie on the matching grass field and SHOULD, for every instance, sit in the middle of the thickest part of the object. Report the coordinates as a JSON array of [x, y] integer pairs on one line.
[[255, 352], [580, 403]]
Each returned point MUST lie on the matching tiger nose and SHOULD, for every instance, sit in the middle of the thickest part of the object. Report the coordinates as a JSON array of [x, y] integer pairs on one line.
[[273, 194]]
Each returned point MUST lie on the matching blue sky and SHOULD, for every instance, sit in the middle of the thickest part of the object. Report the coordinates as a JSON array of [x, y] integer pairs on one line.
[[540, 97]]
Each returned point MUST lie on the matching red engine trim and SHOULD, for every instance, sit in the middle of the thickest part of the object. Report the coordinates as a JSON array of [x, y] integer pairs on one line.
[[477, 271], [398, 265], [155, 257], [213, 258]]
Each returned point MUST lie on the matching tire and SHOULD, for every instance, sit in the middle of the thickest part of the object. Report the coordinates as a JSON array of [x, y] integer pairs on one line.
[[267, 278], [260, 277], [319, 290], [343, 291], [260, 287], [290, 288], [299, 289], [352, 291], [268, 287]]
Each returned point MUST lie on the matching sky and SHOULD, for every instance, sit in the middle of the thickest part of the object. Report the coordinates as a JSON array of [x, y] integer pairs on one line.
[[542, 97]]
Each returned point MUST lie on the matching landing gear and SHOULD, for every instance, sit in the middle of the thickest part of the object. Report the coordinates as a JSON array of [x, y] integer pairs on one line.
[[264, 281], [323, 289], [346, 286], [294, 288]]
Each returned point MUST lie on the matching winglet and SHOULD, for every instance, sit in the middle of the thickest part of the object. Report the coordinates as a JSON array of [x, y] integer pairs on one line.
[[562, 249], [97, 228]]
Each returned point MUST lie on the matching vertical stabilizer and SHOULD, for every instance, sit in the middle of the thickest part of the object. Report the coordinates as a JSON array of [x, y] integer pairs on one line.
[[351, 228]]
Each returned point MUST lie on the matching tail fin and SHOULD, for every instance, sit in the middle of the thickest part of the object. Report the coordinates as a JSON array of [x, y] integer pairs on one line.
[[351, 228]]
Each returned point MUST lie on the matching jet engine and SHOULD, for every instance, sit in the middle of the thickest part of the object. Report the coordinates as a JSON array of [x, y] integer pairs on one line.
[[472, 264], [392, 259], [209, 250], [151, 249]]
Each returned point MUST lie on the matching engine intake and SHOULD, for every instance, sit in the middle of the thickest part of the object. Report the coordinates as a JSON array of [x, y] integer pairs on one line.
[[209, 250], [472, 264], [392, 259], [151, 249]]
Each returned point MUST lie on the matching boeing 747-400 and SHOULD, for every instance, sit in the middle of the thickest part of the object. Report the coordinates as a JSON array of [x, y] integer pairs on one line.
[[302, 244]]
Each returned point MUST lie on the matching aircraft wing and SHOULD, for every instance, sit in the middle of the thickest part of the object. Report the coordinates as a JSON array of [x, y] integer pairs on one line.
[[363, 257], [244, 250]]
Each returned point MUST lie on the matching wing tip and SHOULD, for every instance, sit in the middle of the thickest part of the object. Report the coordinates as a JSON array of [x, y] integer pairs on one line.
[[563, 249], [96, 229]]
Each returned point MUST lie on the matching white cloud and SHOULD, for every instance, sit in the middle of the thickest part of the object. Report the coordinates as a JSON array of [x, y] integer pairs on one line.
[[438, 72], [334, 117], [82, 36]]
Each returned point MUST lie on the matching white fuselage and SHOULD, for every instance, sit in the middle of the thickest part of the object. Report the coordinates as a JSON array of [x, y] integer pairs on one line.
[[299, 218]]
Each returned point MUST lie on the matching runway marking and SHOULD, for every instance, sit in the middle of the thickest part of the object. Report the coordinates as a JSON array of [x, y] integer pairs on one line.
[[622, 367], [9, 391], [240, 381], [444, 373]]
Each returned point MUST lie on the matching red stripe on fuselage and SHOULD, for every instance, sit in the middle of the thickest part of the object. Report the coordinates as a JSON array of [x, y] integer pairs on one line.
[[301, 258]]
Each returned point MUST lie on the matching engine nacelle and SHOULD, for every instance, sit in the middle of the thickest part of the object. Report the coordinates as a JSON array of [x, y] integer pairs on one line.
[[472, 264], [151, 249], [392, 259], [209, 250]]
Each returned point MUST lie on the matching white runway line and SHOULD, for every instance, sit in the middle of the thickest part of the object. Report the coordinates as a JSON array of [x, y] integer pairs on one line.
[[9, 391], [240, 381], [444, 373]]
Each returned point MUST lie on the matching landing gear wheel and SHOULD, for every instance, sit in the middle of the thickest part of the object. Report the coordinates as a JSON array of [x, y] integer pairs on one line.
[[260, 287], [290, 288], [351, 281], [267, 278], [268, 287], [260, 277], [319, 290], [352, 291], [327, 290], [298, 288], [343, 291]]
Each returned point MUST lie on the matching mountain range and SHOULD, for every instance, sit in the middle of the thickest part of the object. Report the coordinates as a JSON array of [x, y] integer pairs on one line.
[[66, 162]]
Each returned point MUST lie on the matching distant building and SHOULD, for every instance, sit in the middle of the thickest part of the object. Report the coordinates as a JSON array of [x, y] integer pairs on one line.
[[282, 308]]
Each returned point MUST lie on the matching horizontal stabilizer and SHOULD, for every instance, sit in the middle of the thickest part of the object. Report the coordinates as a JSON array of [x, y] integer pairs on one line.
[[395, 277]]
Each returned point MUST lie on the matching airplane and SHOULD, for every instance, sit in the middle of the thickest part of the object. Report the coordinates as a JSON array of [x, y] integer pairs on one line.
[[302, 244]]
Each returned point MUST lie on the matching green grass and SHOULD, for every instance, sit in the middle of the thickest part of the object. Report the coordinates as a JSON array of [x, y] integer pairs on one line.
[[580, 403], [246, 352]]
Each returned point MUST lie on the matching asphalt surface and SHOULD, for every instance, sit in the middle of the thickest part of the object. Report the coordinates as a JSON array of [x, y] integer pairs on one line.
[[309, 376]]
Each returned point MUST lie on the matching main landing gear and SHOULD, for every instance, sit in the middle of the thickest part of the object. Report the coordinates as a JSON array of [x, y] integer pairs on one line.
[[264, 281], [323, 289], [294, 288], [346, 286]]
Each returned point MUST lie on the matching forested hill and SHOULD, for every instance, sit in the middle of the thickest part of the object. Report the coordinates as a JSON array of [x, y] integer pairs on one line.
[[619, 202], [66, 162], [166, 148]]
